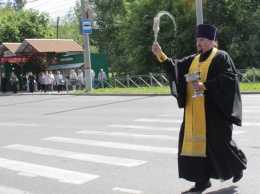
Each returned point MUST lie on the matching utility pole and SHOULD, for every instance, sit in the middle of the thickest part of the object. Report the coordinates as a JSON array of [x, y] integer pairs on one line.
[[87, 62], [199, 12], [57, 35]]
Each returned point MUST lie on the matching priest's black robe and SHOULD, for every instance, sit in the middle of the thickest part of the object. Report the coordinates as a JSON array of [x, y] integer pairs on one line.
[[223, 108]]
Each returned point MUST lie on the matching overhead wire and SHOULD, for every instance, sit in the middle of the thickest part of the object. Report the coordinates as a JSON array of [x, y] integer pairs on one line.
[[54, 5], [51, 3]]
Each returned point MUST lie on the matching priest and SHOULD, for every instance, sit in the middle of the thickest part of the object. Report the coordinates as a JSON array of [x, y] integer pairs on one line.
[[206, 148]]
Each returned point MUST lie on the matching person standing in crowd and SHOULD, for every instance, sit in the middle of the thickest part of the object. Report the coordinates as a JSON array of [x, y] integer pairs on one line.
[[27, 82], [32, 81], [102, 77], [80, 78], [41, 81], [52, 80], [73, 79], [4, 83], [47, 81], [36, 83], [25, 85], [92, 74], [24, 82], [206, 148], [59, 81], [14, 82]]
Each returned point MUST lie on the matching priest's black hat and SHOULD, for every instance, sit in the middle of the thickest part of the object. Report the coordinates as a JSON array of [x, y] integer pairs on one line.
[[206, 31]]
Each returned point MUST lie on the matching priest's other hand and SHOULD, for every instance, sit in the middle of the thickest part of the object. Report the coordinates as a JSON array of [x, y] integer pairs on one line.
[[198, 86]]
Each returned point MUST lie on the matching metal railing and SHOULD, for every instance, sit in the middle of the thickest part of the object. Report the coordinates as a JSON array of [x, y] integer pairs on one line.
[[138, 81], [153, 80], [255, 75]]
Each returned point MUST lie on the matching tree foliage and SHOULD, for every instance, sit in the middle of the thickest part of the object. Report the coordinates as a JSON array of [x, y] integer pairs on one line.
[[238, 29], [128, 31], [123, 29], [68, 27], [16, 26]]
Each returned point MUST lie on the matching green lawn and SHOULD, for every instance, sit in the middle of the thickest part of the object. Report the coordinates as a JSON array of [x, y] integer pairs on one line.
[[250, 87], [157, 90]]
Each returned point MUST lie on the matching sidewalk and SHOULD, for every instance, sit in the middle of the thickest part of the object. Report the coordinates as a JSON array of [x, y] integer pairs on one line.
[[19, 93]]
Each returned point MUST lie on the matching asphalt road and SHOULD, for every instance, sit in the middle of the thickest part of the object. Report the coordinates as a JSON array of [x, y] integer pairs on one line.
[[67, 144]]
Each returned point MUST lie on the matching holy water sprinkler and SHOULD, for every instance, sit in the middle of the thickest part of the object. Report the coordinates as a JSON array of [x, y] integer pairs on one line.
[[156, 23], [156, 27]]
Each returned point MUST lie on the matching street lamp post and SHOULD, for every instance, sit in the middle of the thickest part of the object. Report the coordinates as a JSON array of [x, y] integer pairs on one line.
[[199, 12], [87, 62]]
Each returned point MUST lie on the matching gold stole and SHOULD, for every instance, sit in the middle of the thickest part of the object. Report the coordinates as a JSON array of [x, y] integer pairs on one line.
[[194, 142]]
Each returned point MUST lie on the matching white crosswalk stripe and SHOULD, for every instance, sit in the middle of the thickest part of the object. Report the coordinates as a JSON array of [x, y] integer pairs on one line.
[[34, 170], [160, 120], [77, 156], [132, 135], [251, 124], [131, 191], [238, 132], [163, 150], [8, 190], [144, 127], [16, 124], [251, 111]]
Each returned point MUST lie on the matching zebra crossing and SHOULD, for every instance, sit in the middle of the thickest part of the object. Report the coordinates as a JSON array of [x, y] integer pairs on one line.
[[61, 175], [9, 190]]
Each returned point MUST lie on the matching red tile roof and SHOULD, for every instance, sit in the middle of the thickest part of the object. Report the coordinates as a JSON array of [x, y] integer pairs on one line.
[[49, 45], [9, 47]]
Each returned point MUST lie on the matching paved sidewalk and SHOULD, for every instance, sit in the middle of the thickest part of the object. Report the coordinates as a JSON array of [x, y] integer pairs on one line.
[[9, 93]]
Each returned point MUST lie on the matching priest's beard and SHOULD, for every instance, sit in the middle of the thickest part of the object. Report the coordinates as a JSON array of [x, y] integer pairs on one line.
[[199, 50]]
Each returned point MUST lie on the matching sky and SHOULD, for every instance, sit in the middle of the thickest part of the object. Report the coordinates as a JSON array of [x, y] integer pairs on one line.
[[55, 8]]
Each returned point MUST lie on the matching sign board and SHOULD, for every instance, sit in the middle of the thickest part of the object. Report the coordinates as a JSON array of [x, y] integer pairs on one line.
[[9, 54], [86, 26]]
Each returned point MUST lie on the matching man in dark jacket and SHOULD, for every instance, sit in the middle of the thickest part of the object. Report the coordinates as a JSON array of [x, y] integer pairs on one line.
[[206, 148], [4, 83], [32, 81]]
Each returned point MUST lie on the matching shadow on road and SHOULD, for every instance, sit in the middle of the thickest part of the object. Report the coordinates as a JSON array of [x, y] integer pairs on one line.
[[227, 190]]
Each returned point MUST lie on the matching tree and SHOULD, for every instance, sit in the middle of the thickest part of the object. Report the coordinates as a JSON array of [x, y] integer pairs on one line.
[[124, 30], [135, 35], [69, 27], [238, 28], [19, 4], [17, 26]]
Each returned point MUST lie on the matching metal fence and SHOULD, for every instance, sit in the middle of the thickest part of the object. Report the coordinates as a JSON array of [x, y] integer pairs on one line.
[[138, 81], [254, 72], [154, 80]]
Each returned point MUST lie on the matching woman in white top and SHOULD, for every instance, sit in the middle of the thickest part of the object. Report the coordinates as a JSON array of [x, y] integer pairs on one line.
[[73, 79], [52, 80], [47, 81]]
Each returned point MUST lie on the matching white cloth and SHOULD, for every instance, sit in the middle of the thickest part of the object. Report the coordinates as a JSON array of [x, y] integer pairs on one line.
[[80, 77], [47, 79], [73, 76]]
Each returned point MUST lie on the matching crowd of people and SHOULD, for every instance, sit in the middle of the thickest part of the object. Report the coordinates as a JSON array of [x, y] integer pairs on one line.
[[46, 81]]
